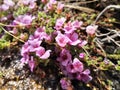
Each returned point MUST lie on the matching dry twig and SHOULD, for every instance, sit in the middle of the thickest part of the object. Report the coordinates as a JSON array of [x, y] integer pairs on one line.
[[83, 9], [104, 10], [11, 34]]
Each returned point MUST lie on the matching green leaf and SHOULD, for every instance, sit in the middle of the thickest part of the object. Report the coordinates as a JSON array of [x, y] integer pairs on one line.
[[114, 56], [21, 10], [117, 67], [118, 62], [4, 43], [42, 14], [1, 74]]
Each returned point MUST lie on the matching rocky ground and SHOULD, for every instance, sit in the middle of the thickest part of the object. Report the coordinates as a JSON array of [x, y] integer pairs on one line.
[[14, 76]]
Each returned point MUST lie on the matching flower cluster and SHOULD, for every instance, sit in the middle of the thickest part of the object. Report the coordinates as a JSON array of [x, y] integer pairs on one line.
[[33, 45], [74, 69], [23, 20], [69, 36], [66, 35], [65, 83], [6, 5], [30, 3], [53, 5]]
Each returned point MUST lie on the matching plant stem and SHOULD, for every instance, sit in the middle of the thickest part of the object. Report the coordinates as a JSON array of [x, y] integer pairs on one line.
[[11, 34]]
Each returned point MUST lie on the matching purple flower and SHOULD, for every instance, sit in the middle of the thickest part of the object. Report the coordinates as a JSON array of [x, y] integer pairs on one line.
[[3, 18], [65, 57], [77, 24], [73, 38], [14, 31], [62, 40], [9, 3], [59, 7], [82, 43], [31, 3], [65, 83], [63, 69], [25, 49], [69, 28], [52, 1], [59, 23], [42, 53], [91, 29], [85, 77], [23, 20], [75, 66], [50, 5], [81, 55], [25, 59], [31, 63], [106, 61], [41, 34], [4, 7], [38, 32], [78, 66], [27, 2], [34, 44]]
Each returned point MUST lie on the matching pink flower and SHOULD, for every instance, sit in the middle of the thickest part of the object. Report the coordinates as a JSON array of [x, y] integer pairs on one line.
[[77, 24], [34, 44], [25, 59], [65, 83], [23, 20], [81, 55], [38, 32], [82, 43], [14, 31], [27, 2], [50, 5], [91, 29], [73, 38], [69, 28], [32, 5], [106, 61], [85, 77], [59, 23], [3, 18], [78, 66], [9, 3], [42, 53], [52, 1], [60, 6], [75, 66], [41, 34], [31, 63], [63, 69], [65, 57], [4, 7], [25, 49], [62, 40]]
